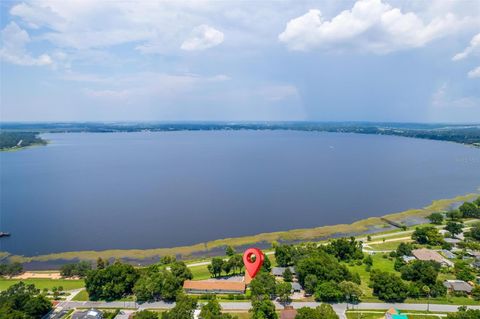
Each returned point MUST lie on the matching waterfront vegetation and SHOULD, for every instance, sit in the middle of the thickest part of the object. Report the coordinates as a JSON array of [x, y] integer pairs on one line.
[[18, 140], [373, 224]]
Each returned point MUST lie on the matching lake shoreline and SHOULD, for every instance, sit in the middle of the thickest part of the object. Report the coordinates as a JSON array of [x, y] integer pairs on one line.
[[370, 225]]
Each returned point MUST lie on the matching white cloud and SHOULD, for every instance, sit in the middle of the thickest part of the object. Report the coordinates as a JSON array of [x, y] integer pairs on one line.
[[369, 25], [14, 42], [475, 73], [142, 85], [443, 98], [201, 38], [473, 48]]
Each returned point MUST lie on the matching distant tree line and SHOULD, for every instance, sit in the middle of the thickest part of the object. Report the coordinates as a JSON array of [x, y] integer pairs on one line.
[[454, 133]]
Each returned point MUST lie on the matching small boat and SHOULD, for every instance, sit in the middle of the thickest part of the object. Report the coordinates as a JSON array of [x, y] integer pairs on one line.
[[4, 234]]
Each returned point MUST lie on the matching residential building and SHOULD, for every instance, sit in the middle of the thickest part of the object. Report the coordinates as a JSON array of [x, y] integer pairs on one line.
[[408, 259], [458, 286], [214, 287], [448, 254], [428, 254], [296, 287], [278, 271]]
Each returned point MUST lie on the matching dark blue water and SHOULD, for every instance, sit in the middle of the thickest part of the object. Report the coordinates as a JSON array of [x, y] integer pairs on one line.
[[147, 190]]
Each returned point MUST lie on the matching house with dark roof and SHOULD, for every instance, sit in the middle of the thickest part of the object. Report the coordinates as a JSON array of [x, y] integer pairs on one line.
[[278, 271], [296, 287], [458, 286]]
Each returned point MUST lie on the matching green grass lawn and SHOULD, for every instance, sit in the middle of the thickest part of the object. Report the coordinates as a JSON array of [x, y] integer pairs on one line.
[[384, 264], [200, 272], [44, 283], [81, 296]]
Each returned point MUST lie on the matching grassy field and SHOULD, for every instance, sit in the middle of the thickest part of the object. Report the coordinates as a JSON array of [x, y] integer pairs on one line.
[[44, 283], [292, 235], [81, 296]]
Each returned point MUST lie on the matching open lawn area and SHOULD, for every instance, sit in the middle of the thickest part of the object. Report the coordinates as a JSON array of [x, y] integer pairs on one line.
[[44, 283], [384, 264]]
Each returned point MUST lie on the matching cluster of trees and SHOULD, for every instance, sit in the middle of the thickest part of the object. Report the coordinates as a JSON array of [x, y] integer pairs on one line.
[[463, 271], [319, 269], [233, 265], [428, 235], [10, 270], [324, 311], [155, 283], [22, 301], [464, 313], [344, 249], [12, 139], [79, 269], [110, 282]]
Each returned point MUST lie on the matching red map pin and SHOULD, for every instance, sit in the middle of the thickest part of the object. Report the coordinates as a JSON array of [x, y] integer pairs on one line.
[[253, 266]]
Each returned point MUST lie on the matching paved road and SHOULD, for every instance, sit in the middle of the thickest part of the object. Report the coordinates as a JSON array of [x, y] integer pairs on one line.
[[245, 306]]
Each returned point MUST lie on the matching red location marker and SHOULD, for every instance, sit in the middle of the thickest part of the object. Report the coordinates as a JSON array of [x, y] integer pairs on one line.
[[253, 266]]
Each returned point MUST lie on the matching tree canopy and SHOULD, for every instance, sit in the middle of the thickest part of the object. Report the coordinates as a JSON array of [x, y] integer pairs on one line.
[[21, 301]]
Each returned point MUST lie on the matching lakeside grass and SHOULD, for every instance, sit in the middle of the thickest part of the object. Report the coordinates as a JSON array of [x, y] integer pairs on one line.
[[42, 283], [306, 234]]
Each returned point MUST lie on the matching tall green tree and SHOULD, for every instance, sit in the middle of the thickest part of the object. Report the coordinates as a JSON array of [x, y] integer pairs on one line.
[[435, 218], [113, 282], [469, 210], [263, 285], [230, 251], [427, 235], [184, 308], [310, 285], [216, 267], [288, 275], [263, 309], [283, 291], [454, 228], [180, 270], [388, 287], [212, 310]]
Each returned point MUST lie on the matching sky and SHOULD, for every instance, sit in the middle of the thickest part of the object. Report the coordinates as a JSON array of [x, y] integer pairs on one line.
[[367, 60]]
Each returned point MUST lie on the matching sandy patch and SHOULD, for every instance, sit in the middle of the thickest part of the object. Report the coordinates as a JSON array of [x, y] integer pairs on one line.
[[41, 275]]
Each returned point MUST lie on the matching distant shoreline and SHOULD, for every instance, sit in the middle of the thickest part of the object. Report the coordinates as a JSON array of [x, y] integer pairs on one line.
[[147, 256], [468, 134]]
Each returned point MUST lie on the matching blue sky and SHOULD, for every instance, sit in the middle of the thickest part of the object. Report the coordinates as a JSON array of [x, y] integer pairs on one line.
[[370, 60]]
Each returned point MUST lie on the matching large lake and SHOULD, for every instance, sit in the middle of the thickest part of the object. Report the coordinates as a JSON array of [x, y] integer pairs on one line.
[[89, 191]]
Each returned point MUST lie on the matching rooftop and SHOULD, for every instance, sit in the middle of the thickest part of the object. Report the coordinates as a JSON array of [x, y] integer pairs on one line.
[[457, 285], [278, 271], [428, 254]]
